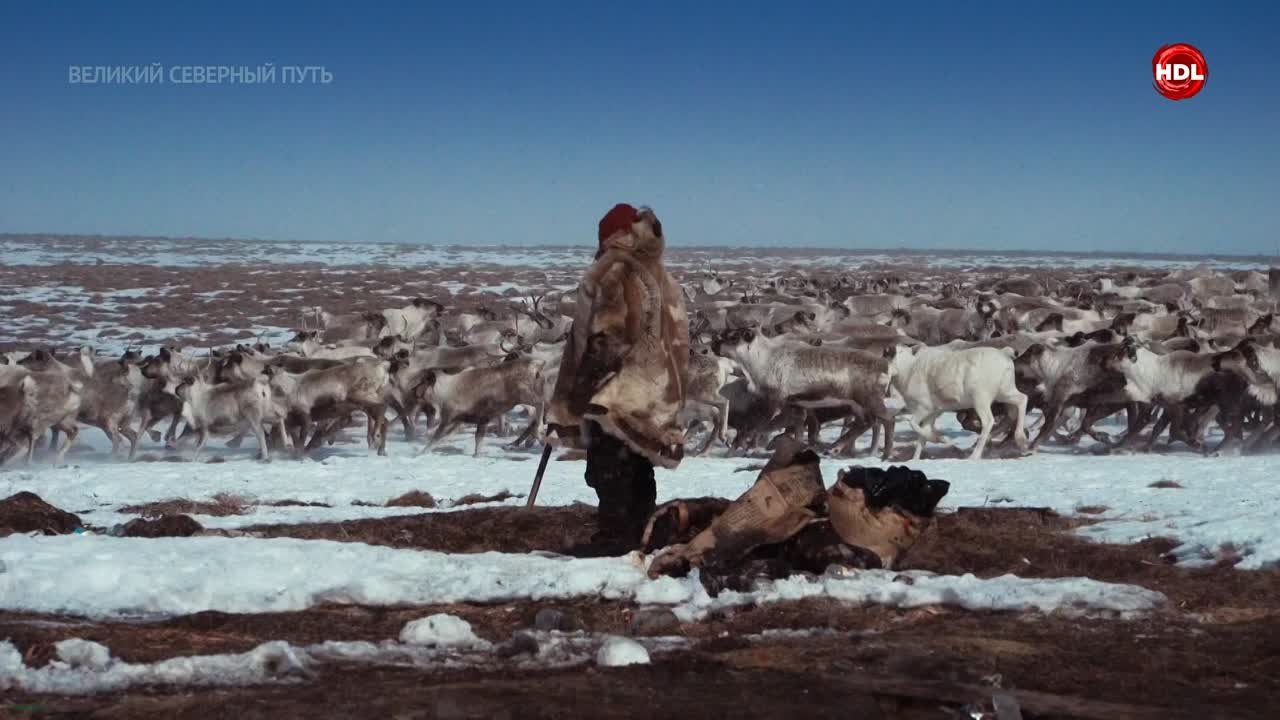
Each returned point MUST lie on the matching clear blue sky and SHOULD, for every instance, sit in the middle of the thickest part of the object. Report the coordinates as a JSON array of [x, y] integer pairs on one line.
[[853, 124]]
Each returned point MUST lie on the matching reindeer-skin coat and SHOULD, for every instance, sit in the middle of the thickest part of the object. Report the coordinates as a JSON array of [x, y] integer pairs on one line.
[[625, 362]]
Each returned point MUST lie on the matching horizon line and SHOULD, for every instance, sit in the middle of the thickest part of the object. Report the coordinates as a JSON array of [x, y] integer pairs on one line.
[[1122, 254]]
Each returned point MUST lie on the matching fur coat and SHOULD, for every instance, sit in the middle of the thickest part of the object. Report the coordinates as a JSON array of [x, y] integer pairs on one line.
[[625, 362]]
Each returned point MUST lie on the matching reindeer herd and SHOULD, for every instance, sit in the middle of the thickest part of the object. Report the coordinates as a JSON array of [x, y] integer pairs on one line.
[[1176, 352]]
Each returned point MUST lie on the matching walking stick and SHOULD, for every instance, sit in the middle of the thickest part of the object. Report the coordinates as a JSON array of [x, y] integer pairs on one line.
[[537, 479]]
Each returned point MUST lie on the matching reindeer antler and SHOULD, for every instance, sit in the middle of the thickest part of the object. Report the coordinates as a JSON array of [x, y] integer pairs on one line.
[[533, 308]]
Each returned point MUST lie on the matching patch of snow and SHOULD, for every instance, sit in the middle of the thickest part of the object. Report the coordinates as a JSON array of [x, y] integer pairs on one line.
[[618, 651], [441, 630], [1221, 501], [99, 576], [88, 668], [79, 653], [1070, 596]]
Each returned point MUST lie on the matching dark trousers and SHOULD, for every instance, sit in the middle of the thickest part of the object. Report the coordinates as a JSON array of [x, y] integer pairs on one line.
[[624, 484]]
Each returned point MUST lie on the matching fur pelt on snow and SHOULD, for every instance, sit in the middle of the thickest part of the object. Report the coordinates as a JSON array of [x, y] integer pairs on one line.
[[625, 363]]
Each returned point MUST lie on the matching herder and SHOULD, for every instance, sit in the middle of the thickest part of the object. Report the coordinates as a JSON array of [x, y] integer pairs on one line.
[[622, 376]]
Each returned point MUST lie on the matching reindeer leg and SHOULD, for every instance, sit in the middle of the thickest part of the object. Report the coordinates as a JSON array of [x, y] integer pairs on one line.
[[1017, 404], [318, 432], [923, 428], [117, 440], [722, 427], [1232, 432], [988, 423], [530, 431], [402, 414], [718, 429], [172, 432], [1177, 426], [144, 425], [264, 450], [131, 436], [280, 435], [1092, 415], [203, 437], [888, 419], [1159, 427], [384, 426], [1052, 416], [377, 419], [480, 428], [71, 430], [1202, 423], [1137, 416], [31, 445], [813, 427], [845, 444], [445, 425]]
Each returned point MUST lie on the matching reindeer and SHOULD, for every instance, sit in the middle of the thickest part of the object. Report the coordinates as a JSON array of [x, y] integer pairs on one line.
[[708, 375], [244, 404], [411, 322], [1164, 380], [932, 381], [308, 345], [38, 401], [790, 373], [479, 395], [329, 394]]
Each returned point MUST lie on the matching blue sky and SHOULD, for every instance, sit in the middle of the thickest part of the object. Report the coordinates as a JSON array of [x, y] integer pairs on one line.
[[851, 124]]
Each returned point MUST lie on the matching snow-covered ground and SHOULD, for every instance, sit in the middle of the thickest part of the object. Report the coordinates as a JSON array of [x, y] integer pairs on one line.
[[83, 667], [1222, 500], [99, 576]]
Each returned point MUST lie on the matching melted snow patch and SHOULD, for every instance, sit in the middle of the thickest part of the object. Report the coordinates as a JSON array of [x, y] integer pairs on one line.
[[910, 589], [441, 630], [1221, 501], [100, 576], [618, 651], [84, 667]]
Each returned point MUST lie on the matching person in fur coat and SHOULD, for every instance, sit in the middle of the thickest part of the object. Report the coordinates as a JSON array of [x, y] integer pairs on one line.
[[622, 376]]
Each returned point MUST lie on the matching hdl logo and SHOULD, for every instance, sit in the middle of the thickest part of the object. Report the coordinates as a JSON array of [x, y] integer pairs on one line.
[[1180, 71]]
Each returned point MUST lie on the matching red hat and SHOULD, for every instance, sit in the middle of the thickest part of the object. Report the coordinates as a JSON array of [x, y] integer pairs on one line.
[[621, 217]]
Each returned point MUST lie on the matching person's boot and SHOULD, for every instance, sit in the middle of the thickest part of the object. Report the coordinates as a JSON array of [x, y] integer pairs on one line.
[[641, 494], [607, 473]]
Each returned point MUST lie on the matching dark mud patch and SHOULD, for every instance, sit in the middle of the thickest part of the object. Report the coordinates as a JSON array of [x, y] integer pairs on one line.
[[221, 505], [987, 542], [161, 527], [413, 498], [501, 529], [26, 512], [295, 503], [917, 664], [1038, 544], [477, 498]]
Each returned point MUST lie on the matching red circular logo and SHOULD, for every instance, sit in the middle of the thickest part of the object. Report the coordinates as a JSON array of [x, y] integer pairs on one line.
[[1179, 70]]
